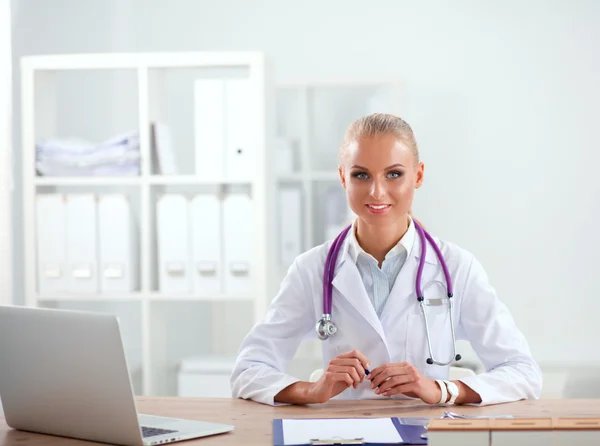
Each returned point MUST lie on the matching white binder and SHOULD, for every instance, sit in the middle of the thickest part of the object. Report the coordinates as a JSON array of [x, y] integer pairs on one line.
[[163, 155], [173, 244], [115, 243], [238, 229], [290, 225], [205, 223], [51, 243], [209, 132], [81, 243], [335, 212], [240, 129]]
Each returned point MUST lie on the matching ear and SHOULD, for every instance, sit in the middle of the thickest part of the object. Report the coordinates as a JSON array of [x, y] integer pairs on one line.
[[419, 177], [342, 178]]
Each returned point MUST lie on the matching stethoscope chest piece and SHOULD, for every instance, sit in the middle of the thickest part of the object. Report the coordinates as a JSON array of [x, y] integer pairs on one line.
[[325, 328]]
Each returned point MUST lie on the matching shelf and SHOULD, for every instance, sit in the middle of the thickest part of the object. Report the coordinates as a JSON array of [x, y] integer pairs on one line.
[[134, 181], [56, 86], [192, 297], [79, 297], [192, 180], [87, 181], [135, 60], [138, 296]]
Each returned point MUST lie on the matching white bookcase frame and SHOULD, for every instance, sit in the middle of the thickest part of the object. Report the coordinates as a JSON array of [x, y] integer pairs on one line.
[[254, 63], [6, 177]]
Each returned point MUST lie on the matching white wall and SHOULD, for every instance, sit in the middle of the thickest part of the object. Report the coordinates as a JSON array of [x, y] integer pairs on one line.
[[504, 98]]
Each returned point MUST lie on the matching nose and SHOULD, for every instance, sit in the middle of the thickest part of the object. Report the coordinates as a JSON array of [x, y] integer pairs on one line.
[[378, 189]]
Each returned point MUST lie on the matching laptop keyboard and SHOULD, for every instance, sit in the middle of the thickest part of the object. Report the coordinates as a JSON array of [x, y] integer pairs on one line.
[[153, 431]]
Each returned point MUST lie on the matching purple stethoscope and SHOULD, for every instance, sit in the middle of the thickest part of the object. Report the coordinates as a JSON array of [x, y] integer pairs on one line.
[[326, 328]]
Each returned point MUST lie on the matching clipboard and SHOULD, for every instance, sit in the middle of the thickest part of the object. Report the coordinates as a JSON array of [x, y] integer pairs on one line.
[[411, 433]]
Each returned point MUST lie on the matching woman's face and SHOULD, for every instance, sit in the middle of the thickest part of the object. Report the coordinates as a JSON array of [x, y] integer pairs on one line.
[[380, 177]]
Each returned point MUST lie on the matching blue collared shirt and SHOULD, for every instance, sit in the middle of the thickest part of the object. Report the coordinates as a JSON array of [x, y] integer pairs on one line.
[[378, 282]]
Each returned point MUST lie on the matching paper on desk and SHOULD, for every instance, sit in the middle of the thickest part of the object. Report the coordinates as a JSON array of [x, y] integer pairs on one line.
[[372, 430]]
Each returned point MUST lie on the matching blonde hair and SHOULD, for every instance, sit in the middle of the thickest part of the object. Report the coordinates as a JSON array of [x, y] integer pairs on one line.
[[381, 124]]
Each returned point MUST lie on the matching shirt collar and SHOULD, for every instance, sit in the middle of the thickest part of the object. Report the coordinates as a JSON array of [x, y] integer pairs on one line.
[[405, 243]]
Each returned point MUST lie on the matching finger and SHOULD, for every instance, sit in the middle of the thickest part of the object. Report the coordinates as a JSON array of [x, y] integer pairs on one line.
[[388, 373], [379, 369], [385, 367], [350, 370], [358, 355], [393, 382], [335, 377], [350, 362], [404, 389]]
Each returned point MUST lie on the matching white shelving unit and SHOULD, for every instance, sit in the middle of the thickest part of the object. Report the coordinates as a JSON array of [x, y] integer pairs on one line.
[[125, 92]]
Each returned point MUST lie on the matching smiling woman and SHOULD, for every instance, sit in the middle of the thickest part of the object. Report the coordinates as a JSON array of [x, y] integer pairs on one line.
[[400, 298]]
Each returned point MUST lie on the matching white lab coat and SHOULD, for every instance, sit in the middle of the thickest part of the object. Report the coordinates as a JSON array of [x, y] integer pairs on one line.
[[479, 317]]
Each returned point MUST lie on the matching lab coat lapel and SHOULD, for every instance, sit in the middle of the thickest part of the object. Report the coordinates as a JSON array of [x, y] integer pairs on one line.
[[348, 282], [403, 293]]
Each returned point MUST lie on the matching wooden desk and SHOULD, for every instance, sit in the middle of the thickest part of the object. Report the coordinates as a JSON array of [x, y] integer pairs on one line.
[[253, 425]]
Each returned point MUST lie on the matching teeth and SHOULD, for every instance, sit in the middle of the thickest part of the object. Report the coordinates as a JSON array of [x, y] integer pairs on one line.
[[378, 207]]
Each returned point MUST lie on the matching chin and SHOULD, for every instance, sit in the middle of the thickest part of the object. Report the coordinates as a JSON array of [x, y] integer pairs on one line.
[[380, 220]]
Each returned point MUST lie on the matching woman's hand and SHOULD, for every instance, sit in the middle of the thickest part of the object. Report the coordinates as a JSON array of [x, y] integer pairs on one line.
[[403, 378], [344, 371]]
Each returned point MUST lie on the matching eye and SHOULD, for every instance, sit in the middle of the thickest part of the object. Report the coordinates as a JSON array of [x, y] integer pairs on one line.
[[395, 174], [360, 175]]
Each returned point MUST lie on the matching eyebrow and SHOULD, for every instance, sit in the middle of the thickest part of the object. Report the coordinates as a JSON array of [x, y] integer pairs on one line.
[[387, 168]]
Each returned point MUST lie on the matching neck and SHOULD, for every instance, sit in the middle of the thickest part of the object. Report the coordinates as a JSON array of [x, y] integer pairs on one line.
[[377, 240]]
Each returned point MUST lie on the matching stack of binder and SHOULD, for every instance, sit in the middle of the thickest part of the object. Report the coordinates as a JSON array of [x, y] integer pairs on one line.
[[84, 243], [204, 244]]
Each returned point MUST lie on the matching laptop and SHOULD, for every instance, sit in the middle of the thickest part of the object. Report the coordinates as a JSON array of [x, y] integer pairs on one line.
[[64, 373]]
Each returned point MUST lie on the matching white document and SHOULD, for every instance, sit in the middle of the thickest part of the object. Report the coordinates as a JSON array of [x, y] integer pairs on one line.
[[173, 244], [162, 149], [51, 235], [82, 243], [205, 223], [240, 109], [238, 243], [290, 225], [118, 156], [335, 212], [115, 243], [371, 430], [209, 127]]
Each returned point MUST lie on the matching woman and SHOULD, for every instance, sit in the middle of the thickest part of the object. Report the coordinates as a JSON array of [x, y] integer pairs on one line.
[[380, 348]]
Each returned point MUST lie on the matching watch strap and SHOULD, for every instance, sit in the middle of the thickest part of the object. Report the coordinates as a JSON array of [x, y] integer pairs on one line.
[[444, 390]]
